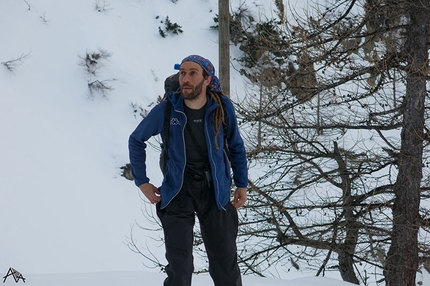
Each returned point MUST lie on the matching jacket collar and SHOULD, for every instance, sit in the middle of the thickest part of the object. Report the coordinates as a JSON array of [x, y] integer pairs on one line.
[[178, 102]]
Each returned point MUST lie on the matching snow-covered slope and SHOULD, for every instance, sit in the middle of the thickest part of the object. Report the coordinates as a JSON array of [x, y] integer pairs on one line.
[[65, 207]]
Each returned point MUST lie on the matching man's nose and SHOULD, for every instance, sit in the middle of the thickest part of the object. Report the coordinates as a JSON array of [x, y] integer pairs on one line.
[[185, 79]]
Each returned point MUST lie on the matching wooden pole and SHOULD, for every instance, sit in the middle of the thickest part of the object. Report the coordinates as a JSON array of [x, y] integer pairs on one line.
[[224, 45]]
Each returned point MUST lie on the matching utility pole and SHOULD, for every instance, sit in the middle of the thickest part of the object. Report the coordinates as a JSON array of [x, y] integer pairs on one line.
[[224, 45]]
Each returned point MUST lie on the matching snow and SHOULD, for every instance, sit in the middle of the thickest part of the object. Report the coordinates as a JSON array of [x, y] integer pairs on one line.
[[131, 278], [66, 210]]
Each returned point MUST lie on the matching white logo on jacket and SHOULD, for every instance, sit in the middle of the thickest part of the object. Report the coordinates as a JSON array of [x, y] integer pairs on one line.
[[174, 121]]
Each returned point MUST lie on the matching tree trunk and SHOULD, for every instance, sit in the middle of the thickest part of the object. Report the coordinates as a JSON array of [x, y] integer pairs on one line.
[[224, 45], [347, 248], [402, 258]]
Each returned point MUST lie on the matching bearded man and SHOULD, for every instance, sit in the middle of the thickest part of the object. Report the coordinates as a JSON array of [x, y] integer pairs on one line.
[[197, 178]]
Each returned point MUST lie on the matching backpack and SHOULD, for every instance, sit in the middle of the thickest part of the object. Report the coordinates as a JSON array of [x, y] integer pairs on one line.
[[171, 84]]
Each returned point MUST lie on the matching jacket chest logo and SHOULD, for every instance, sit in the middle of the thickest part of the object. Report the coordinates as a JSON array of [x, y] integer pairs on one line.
[[174, 121]]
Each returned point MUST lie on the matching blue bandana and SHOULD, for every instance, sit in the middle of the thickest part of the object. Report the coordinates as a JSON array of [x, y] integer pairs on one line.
[[209, 68]]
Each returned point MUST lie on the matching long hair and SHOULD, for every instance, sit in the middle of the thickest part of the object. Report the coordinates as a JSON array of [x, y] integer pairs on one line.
[[218, 116]]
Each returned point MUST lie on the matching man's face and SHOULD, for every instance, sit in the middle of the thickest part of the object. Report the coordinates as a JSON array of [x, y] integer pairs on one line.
[[191, 80]]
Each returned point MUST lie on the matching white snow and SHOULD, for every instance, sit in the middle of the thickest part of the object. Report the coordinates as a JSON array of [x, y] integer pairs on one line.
[[146, 278]]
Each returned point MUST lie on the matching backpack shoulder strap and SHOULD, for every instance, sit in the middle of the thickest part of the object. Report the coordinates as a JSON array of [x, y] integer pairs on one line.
[[171, 84]]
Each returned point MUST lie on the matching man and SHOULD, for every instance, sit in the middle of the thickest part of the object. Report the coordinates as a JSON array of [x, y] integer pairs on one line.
[[197, 174]]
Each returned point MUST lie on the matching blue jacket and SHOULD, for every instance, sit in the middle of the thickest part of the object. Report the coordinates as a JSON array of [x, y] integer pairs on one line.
[[153, 124]]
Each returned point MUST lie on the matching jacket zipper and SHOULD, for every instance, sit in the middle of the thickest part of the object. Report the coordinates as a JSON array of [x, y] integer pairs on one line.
[[185, 158], [216, 188]]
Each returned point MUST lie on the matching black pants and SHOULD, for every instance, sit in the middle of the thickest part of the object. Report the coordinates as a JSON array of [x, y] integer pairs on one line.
[[218, 229]]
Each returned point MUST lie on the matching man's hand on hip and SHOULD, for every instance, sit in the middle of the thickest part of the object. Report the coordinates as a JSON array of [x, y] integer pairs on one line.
[[151, 192]]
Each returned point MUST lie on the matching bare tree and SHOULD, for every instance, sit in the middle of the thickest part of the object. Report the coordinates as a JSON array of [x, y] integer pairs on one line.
[[402, 260], [334, 185]]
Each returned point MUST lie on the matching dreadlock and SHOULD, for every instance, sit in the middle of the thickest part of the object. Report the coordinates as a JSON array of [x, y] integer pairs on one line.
[[218, 116]]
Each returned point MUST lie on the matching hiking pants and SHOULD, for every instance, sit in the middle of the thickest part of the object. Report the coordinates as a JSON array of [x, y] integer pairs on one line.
[[218, 229]]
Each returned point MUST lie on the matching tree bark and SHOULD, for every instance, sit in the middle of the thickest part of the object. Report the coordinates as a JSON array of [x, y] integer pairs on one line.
[[402, 258], [347, 248], [224, 45]]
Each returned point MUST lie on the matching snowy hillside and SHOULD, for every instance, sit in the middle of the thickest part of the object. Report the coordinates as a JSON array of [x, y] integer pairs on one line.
[[66, 207]]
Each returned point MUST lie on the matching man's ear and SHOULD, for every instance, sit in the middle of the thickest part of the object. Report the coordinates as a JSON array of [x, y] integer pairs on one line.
[[208, 80]]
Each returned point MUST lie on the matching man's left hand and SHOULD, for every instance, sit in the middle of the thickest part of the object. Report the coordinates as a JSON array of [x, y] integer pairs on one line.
[[239, 198]]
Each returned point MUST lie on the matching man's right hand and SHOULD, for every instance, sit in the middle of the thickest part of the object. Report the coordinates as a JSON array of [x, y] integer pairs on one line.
[[151, 192]]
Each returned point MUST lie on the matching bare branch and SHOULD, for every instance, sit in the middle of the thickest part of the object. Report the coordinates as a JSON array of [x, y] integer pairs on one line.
[[11, 65]]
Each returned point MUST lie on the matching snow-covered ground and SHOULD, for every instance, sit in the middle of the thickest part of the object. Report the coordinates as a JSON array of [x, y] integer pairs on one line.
[[65, 208], [146, 278]]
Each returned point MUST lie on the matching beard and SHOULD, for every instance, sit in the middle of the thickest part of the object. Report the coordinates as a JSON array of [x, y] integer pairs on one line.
[[193, 93]]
